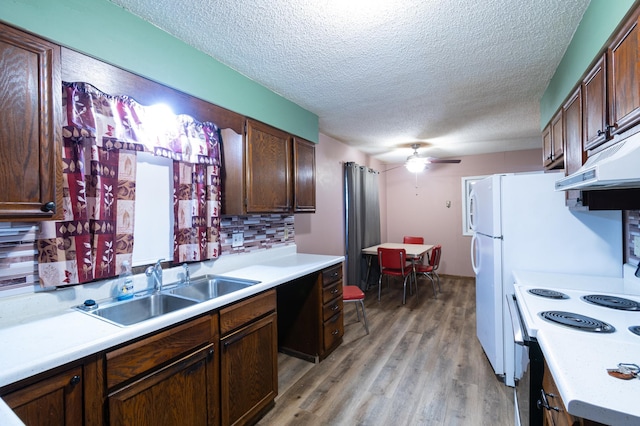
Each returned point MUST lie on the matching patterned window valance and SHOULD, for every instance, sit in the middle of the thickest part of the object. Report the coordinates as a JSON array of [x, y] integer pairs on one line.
[[101, 135], [119, 122]]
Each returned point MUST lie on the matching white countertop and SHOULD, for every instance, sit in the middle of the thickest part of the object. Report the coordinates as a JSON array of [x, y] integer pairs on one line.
[[578, 360], [66, 335]]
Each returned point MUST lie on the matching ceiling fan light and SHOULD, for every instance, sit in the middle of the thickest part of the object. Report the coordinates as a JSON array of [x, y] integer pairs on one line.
[[415, 165]]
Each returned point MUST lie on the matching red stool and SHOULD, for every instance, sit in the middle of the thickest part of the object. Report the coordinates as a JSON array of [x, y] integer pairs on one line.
[[352, 293]]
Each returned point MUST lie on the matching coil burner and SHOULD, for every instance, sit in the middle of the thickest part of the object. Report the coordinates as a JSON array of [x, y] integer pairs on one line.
[[577, 321], [549, 294], [635, 329], [612, 302]]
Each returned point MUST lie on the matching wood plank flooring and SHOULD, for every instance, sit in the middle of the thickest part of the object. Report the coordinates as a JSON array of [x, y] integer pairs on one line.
[[421, 364]]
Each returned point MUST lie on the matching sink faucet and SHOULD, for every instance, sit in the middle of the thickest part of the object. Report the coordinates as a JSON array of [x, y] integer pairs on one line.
[[187, 275], [154, 275]]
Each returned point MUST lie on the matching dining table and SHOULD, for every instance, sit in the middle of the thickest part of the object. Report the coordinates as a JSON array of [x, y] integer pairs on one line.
[[414, 253]]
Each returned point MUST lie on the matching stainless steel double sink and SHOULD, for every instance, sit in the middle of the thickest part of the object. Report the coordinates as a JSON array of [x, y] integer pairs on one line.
[[146, 305]]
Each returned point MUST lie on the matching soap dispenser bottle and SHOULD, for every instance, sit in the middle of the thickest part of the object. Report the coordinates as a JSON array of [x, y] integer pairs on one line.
[[125, 282]]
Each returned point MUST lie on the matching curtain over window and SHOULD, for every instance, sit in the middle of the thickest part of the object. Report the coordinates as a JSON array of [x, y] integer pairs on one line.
[[101, 134], [362, 208]]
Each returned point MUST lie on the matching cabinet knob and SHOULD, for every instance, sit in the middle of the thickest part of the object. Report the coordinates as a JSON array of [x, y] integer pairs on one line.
[[48, 207], [74, 380]]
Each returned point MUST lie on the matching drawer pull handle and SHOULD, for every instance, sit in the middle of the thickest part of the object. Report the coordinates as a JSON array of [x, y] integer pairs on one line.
[[335, 332], [335, 307], [334, 291]]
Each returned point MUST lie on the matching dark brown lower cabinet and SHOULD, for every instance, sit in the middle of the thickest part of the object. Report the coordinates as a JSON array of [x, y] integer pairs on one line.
[[248, 359], [56, 400], [178, 394], [167, 378], [310, 316]]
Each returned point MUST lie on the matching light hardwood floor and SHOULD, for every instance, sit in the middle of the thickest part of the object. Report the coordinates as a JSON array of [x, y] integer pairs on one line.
[[421, 364]]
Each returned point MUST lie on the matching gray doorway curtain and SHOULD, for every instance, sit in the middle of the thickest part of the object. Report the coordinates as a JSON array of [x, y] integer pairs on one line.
[[362, 209]]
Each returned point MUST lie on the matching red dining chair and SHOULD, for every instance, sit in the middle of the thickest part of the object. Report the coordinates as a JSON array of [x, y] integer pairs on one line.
[[353, 293], [413, 240], [393, 263], [430, 270]]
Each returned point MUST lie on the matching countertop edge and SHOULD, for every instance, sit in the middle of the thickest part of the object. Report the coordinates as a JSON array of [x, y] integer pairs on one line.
[[283, 270]]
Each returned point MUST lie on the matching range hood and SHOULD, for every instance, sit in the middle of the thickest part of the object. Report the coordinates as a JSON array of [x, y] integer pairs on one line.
[[616, 167]]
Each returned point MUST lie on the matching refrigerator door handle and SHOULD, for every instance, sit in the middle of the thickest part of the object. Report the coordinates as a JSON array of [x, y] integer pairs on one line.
[[474, 243]]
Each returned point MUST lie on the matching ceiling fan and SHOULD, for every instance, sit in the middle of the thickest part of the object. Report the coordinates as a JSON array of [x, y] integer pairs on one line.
[[416, 163]]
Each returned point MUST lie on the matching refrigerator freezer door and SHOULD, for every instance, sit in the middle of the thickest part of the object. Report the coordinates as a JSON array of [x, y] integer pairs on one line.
[[485, 206]]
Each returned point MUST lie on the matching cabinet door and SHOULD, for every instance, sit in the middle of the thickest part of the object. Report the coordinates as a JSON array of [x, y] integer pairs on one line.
[[574, 155], [249, 371], [624, 78], [594, 92], [557, 141], [181, 393], [547, 148], [31, 107], [268, 169], [53, 401], [304, 170]]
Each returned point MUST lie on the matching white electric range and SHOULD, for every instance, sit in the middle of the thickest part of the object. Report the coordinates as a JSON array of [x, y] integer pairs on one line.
[[579, 358]]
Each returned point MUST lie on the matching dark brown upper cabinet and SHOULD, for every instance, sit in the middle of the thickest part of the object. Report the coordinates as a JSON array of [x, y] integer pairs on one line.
[[267, 171], [30, 134], [304, 176], [624, 77], [594, 94], [553, 143], [574, 155]]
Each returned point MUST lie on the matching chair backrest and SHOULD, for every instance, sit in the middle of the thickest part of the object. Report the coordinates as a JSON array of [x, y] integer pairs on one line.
[[413, 240], [436, 252], [390, 258]]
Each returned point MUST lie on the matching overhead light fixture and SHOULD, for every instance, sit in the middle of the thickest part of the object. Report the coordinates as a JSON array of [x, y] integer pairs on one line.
[[415, 164]]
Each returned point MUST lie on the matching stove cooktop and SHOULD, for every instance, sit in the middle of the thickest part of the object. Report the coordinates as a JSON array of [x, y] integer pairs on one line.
[[613, 302], [610, 314], [548, 293], [577, 321]]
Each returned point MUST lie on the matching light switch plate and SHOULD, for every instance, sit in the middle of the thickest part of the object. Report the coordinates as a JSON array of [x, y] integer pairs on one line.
[[238, 239], [636, 246]]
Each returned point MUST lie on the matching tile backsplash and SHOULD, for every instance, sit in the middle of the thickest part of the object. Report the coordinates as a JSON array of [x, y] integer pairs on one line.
[[632, 236], [18, 253]]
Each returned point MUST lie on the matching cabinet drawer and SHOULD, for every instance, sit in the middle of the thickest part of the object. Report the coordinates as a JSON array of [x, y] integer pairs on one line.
[[331, 275], [331, 292], [332, 308], [134, 359], [333, 331], [246, 311]]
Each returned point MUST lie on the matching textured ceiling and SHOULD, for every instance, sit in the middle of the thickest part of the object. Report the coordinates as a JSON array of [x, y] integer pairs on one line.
[[464, 76]]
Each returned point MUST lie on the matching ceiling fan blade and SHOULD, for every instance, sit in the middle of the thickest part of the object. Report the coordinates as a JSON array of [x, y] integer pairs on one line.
[[443, 161]]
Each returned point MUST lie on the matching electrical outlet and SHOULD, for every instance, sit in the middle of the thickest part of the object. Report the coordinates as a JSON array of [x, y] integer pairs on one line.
[[286, 233], [636, 246], [238, 239]]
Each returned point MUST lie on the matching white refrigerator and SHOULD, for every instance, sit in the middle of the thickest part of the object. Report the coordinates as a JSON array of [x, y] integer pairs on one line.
[[520, 222]]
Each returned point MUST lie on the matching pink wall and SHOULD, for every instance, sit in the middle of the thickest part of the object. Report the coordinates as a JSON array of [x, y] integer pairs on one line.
[[323, 231], [419, 207], [407, 206]]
